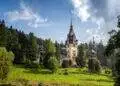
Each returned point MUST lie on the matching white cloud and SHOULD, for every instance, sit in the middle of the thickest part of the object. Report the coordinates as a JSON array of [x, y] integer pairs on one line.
[[100, 32], [86, 14], [81, 9], [25, 13], [97, 34], [100, 21], [113, 8]]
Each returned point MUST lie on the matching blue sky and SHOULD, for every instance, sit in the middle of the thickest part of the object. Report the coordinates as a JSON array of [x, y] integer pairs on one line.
[[51, 18]]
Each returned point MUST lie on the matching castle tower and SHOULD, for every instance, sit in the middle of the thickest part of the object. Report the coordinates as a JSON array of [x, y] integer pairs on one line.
[[71, 46]]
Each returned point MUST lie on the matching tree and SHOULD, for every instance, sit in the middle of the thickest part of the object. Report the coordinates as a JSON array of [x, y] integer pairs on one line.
[[3, 34], [57, 53], [6, 59], [33, 47], [13, 44], [100, 54], [49, 52], [41, 50], [93, 62], [22, 47], [94, 66], [53, 64], [81, 61], [113, 49]]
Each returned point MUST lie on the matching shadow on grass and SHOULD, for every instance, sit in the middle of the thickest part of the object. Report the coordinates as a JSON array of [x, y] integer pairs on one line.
[[19, 66], [99, 80], [87, 73], [79, 73], [36, 71]]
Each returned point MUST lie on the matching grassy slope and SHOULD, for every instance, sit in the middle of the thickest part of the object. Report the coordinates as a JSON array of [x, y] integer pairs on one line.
[[74, 77]]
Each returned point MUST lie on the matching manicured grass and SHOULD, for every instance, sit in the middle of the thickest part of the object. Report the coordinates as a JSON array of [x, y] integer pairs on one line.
[[75, 76]]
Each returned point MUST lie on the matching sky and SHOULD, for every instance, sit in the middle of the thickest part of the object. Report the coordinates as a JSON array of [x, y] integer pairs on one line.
[[51, 18]]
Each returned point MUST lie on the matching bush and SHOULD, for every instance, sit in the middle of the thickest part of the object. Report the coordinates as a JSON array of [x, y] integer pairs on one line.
[[65, 72], [83, 70], [117, 67], [117, 81], [32, 65], [22, 82], [53, 64], [5, 62], [107, 71]]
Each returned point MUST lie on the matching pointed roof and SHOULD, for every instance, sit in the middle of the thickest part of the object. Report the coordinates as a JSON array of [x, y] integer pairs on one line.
[[93, 40], [71, 38], [71, 31]]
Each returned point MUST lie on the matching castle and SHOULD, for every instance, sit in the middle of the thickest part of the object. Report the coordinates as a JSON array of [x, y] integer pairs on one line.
[[70, 51]]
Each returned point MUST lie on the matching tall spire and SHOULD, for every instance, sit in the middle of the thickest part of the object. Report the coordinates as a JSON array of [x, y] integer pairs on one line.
[[71, 22], [93, 40], [71, 38], [71, 32], [71, 25]]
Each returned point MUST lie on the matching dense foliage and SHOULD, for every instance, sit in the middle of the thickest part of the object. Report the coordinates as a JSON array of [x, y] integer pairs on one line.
[[5, 62], [27, 48], [53, 64], [94, 66], [113, 50], [49, 52], [81, 59]]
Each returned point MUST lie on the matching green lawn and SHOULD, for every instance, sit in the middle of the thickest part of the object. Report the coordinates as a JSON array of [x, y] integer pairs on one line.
[[75, 77]]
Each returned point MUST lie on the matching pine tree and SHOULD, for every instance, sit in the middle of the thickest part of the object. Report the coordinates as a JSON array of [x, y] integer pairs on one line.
[[32, 46], [49, 51], [57, 53], [81, 61], [3, 34]]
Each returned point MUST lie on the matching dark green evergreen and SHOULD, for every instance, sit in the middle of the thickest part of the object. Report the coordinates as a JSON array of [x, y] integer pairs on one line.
[[113, 49], [81, 61], [49, 51]]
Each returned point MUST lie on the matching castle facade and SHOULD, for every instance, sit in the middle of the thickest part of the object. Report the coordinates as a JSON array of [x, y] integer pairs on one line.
[[70, 50]]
